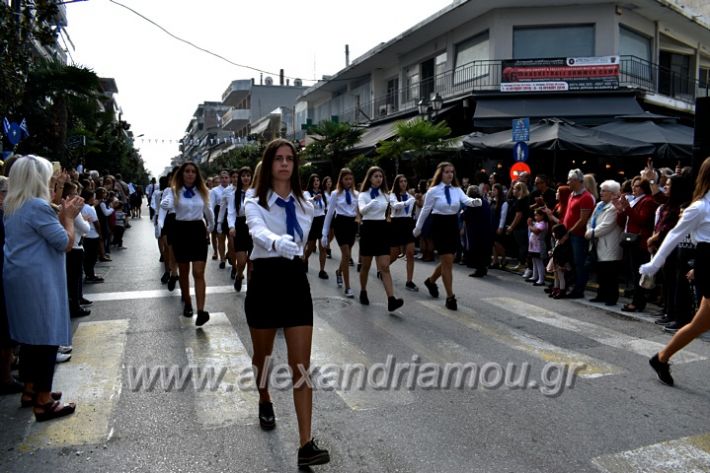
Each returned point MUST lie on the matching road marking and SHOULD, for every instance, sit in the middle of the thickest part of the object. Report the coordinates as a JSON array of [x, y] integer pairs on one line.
[[156, 293], [331, 348], [593, 368], [217, 346], [93, 380], [595, 332], [688, 454]]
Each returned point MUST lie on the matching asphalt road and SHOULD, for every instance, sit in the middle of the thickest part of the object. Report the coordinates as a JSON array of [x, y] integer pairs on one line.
[[589, 403]]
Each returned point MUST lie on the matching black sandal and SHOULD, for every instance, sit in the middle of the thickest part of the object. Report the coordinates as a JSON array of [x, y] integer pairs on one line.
[[31, 402], [53, 410]]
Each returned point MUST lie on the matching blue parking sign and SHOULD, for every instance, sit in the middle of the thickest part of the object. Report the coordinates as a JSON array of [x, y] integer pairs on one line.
[[521, 129]]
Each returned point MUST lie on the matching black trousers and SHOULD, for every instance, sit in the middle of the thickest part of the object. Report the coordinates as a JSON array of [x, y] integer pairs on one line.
[[75, 259], [638, 256], [677, 292], [118, 235], [608, 279], [91, 254], [37, 366]]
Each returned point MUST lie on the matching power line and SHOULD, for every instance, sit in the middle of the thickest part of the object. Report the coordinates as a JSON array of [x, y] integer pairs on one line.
[[199, 48], [219, 56]]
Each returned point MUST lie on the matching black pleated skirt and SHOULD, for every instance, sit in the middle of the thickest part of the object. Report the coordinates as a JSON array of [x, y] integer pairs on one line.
[[242, 238], [374, 238], [316, 228], [401, 231], [278, 294], [702, 268], [345, 229]]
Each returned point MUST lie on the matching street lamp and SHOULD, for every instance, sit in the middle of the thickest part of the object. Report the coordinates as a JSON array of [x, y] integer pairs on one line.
[[430, 107]]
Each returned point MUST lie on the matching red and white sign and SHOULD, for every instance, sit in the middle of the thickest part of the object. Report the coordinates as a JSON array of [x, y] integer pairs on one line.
[[517, 169]]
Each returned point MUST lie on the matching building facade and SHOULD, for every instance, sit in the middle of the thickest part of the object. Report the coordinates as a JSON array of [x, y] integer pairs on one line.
[[660, 50]]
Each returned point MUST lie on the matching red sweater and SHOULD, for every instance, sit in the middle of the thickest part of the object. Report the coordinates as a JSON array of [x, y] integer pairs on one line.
[[639, 219]]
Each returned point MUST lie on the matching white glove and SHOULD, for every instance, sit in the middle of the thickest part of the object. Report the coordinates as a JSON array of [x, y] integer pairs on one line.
[[416, 232], [476, 202], [286, 247], [648, 269], [324, 241]]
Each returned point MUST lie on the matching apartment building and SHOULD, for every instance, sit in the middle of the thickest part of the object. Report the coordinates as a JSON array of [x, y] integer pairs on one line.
[[489, 62], [205, 136]]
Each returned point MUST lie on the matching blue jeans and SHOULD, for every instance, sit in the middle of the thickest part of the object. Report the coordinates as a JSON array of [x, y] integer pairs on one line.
[[580, 246]]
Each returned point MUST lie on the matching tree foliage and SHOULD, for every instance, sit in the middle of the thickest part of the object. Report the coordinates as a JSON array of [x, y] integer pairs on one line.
[[331, 140], [417, 140]]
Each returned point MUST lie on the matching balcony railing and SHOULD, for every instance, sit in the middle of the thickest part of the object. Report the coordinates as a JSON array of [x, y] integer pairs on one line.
[[485, 76]]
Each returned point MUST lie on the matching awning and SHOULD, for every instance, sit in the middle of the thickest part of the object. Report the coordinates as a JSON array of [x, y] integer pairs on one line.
[[497, 112], [374, 135]]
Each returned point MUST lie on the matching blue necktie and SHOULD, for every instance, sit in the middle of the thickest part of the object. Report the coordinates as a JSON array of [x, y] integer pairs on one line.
[[292, 226], [374, 192], [188, 193], [402, 199], [447, 193], [348, 197], [319, 202]]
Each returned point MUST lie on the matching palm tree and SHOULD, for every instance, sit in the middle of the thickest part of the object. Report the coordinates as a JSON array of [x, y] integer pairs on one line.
[[331, 140], [418, 138]]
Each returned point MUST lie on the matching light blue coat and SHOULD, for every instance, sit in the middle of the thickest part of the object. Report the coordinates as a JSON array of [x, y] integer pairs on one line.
[[35, 276]]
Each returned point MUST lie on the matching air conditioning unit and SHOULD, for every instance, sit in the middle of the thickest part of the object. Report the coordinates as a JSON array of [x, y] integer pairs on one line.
[[383, 110]]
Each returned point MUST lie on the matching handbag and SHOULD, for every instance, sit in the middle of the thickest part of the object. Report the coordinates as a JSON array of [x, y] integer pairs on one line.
[[629, 239]]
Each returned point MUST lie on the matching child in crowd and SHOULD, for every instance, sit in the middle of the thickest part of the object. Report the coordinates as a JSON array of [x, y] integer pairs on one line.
[[119, 226], [536, 246], [561, 259]]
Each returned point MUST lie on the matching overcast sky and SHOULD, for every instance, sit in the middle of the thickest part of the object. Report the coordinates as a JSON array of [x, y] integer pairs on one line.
[[161, 80]]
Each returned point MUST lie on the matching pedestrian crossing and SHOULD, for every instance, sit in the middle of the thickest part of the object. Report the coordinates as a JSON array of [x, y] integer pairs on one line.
[[688, 454], [96, 375]]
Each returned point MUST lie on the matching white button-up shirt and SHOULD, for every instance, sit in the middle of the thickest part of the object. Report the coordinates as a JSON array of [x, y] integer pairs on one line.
[[268, 225], [435, 203], [224, 202], [337, 204], [188, 210], [695, 220], [403, 208], [215, 195], [319, 205], [372, 209]]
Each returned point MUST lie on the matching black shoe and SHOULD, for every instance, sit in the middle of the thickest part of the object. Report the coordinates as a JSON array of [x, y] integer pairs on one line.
[[13, 387], [393, 303], [94, 279], [81, 312], [323, 275], [222, 265], [433, 290], [672, 327], [595, 299], [328, 253], [83, 301], [609, 304], [359, 267], [663, 321], [411, 286], [233, 274], [310, 455], [351, 262], [363, 298], [171, 283], [267, 419], [187, 311], [379, 275], [202, 317], [451, 303], [165, 277], [238, 284], [477, 274], [663, 370], [575, 295], [161, 259]]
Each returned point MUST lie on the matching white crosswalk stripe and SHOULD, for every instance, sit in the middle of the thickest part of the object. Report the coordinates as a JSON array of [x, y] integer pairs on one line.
[[687, 455], [534, 346], [595, 332]]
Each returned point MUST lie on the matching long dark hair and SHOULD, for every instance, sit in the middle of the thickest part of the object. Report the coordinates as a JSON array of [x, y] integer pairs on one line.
[[395, 185], [702, 182], [366, 183], [178, 181], [440, 171], [310, 189], [681, 193], [264, 179], [239, 188]]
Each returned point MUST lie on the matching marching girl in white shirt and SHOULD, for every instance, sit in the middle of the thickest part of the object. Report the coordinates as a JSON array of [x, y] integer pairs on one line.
[[221, 220], [695, 220], [402, 204], [317, 197], [278, 295], [372, 204], [218, 238], [341, 213], [327, 185], [189, 198], [237, 223], [444, 200]]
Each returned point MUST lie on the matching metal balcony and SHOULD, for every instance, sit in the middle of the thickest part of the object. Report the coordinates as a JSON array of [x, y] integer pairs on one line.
[[237, 92], [236, 119]]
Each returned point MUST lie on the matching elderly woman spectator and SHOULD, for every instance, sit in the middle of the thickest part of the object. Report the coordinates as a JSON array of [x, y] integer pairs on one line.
[[604, 235], [36, 240], [637, 218]]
